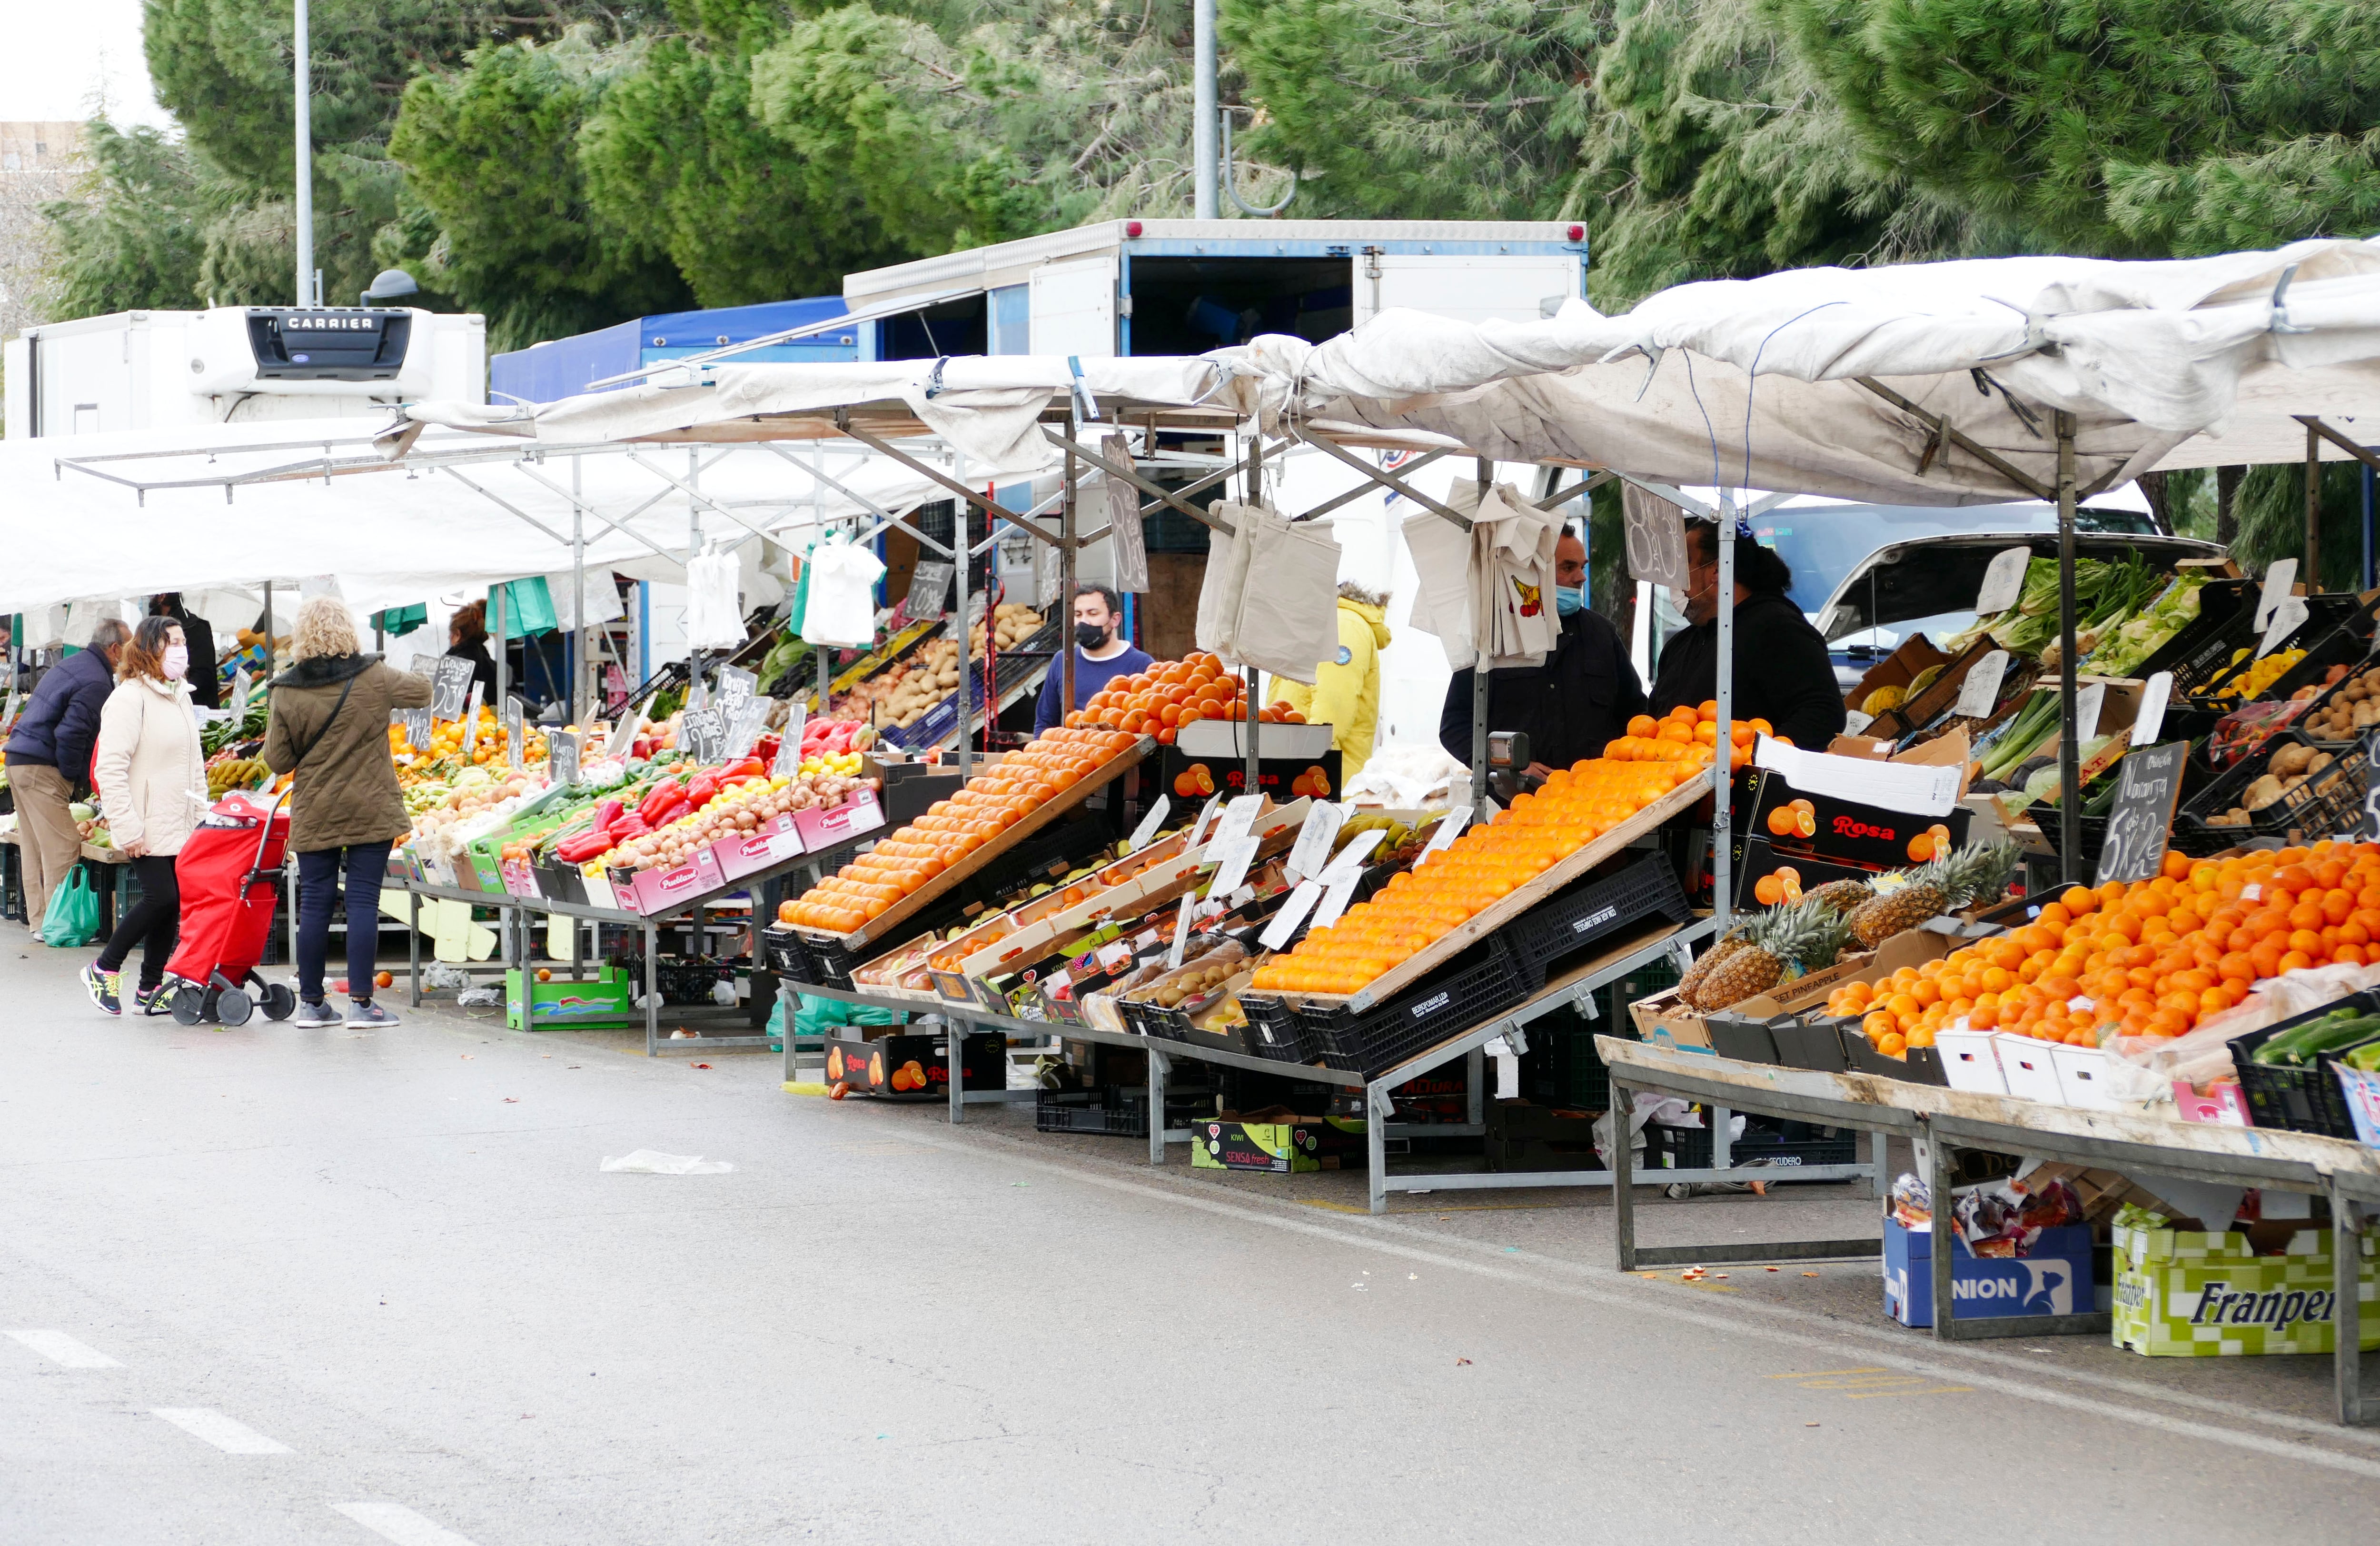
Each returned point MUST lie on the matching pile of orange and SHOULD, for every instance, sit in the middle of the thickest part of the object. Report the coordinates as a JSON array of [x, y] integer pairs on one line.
[[950, 830], [2151, 959], [1488, 863], [1688, 735], [1170, 694]]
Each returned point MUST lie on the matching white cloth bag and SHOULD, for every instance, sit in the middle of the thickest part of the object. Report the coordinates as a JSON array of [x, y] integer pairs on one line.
[[1289, 596], [1227, 569], [715, 618], [841, 609]]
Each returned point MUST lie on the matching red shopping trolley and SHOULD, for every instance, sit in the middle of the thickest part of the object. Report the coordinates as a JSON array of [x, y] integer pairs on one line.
[[229, 872]]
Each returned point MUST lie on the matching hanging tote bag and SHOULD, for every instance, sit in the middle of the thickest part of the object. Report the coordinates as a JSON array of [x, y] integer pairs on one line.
[[72, 917]]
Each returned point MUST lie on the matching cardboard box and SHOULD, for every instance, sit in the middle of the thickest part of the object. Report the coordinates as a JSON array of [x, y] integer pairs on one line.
[[1896, 670], [1659, 1018], [1866, 837], [657, 891], [764, 847], [1305, 1143], [2201, 1293], [570, 1004], [858, 814], [1939, 695], [2053, 1278], [893, 1067], [2223, 1104], [1194, 779], [1758, 857]]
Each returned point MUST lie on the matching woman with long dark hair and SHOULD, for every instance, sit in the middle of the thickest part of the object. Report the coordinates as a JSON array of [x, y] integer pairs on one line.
[[1782, 673], [151, 775]]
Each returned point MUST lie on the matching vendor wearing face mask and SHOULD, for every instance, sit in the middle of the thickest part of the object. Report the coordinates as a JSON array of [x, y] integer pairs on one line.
[[1782, 674], [1100, 656], [1582, 698]]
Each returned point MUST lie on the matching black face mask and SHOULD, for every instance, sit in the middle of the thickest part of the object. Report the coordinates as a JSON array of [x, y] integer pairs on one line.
[[1091, 636]]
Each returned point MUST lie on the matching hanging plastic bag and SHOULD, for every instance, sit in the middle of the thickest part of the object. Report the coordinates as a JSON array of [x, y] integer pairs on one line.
[[72, 917], [714, 619], [1289, 599], [841, 606]]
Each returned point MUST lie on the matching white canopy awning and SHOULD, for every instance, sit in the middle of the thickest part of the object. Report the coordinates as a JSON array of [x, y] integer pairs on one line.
[[1762, 383]]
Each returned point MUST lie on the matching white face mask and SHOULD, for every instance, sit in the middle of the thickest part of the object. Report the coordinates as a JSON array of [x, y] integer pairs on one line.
[[177, 661]]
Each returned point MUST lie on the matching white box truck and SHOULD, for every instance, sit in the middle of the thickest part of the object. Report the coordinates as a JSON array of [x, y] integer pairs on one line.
[[238, 364]]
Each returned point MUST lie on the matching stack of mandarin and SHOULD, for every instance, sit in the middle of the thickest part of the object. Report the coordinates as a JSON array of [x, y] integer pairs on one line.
[[2151, 959], [1488, 863], [1170, 694], [1689, 736], [950, 830]]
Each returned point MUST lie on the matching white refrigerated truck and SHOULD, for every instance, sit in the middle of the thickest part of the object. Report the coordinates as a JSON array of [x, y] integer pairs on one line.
[[238, 364]]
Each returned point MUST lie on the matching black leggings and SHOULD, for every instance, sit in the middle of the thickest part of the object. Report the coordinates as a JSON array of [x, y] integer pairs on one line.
[[156, 919]]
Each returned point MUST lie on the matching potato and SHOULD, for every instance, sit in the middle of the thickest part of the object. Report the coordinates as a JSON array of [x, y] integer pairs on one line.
[[2263, 791], [2291, 759]]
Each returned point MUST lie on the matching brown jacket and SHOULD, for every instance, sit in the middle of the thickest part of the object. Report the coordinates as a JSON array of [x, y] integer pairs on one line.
[[345, 794]]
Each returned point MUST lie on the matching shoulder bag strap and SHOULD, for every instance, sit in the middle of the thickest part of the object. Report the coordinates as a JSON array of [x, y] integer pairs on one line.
[[317, 738]]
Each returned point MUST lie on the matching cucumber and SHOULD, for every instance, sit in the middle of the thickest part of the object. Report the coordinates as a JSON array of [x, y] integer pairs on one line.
[[2328, 1034], [2366, 1058], [2282, 1046]]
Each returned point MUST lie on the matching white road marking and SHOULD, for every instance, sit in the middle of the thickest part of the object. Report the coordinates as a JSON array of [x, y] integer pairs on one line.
[[230, 1436], [395, 1522], [60, 1349], [1428, 1248]]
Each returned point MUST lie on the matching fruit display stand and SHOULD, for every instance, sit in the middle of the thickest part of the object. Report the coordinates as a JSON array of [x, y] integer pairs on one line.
[[1946, 1120]]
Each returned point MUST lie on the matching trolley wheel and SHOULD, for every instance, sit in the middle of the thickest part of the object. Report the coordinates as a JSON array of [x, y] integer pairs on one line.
[[188, 1003], [234, 1007], [280, 1001]]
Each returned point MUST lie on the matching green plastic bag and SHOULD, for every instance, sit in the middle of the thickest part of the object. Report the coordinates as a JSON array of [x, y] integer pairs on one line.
[[72, 917], [528, 608], [817, 1014], [801, 595]]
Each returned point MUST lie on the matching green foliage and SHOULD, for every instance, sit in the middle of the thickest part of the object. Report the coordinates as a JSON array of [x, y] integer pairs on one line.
[[2273, 521], [2125, 127], [132, 237], [1448, 109]]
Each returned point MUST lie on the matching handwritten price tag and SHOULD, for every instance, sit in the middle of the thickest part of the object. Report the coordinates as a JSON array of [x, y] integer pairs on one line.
[[2003, 581], [1292, 913], [1149, 825], [1312, 849]]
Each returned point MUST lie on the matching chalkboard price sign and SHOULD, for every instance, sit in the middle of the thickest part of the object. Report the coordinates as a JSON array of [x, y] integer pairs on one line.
[[929, 589], [2148, 783], [417, 727], [703, 736], [450, 686]]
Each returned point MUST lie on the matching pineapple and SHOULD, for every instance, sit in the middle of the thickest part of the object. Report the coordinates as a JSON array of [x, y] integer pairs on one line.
[[1843, 897], [1829, 932], [1935, 888], [1707, 960], [1777, 939]]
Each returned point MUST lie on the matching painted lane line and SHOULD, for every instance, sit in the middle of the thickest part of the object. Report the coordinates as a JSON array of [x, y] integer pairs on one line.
[[230, 1436], [395, 1522], [1438, 1253], [60, 1349]]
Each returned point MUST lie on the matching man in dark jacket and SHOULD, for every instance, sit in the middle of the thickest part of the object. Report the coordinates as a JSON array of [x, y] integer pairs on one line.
[[49, 759], [205, 679], [1582, 698], [1782, 674]]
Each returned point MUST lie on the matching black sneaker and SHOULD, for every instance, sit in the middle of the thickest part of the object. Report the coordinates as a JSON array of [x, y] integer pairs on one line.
[[105, 989], [158, 1000]]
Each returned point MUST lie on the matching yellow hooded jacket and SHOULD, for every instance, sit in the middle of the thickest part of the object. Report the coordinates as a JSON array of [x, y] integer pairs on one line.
[[1346, 691]]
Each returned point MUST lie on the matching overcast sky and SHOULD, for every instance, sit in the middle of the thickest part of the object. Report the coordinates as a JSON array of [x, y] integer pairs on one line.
[[59, 58]]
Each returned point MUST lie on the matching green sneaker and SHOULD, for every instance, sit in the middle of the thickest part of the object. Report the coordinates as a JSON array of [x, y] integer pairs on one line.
[[106, 988]]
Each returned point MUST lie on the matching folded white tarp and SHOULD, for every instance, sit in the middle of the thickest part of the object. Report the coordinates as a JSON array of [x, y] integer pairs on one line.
[[1755, 382], [143, 511], [988, 406]]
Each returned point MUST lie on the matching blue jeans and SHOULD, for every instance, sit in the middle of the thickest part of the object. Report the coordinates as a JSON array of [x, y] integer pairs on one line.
[[318, 894]]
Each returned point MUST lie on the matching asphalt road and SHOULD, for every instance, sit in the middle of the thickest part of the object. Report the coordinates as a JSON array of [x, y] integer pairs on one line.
[[266, 1285]]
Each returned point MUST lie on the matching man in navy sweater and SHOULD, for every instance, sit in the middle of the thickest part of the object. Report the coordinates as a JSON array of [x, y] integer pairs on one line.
[[1100, 656], [48, 758]]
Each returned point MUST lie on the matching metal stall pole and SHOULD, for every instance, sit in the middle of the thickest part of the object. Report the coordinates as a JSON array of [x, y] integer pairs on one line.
[[1937, 1148], [2312, 573], [1722, 768], [1067, 526], [1255, 678], [504, 674], [579, 653], [955, 1062], [2348, 1225], [965, 697], [1160, 1065], [1487, 474], [653, 992], [413, 945], [2070, 755], [1622, 1163]]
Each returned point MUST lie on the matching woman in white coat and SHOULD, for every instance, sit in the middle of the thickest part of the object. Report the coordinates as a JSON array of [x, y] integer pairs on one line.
[[150, 776]]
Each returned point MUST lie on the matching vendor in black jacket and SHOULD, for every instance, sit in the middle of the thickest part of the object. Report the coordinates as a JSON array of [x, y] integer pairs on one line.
[[1782, 674], [1582, 698]]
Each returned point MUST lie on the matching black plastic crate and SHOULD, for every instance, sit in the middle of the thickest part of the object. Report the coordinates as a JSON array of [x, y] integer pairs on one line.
[[2212, 662], [1272, 1025], [1111, 1110], [830, 961], [2337, 806], [2221, 605], [1785, 1146], [1474, 988], [782, 948], [1553, 936], [2327, 697], [2296, 1100], [2347, 642]]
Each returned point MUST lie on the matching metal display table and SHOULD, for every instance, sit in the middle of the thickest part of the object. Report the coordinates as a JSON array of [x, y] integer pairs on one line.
[[1573, 988], [1943, 1121]]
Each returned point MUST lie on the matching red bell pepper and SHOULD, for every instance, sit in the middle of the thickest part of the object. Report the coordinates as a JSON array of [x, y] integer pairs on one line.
[[631, 827], [668, 792], [585, 845], [608, 814], [699, 792]]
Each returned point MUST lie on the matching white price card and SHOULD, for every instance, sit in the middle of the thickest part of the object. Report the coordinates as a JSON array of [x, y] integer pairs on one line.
[[2003, 581], [624, 735], [789, 750], [1981, 688], [562, 749], [471, 720], [1181, 930], [1312, 849], [2150, 718], [744, 727], [2278, 579], [1448, 828], [2088, 699], [1198, 827], [238, 694], [1341, 892], [515, 730], [1349, 860], [1238, 817], [2288, 614], [1292, 913], [1232, 857], [1149, 825]]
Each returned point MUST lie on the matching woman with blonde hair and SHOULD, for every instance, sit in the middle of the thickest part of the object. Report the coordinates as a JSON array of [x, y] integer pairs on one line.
[[150, 776], [329, 725]]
